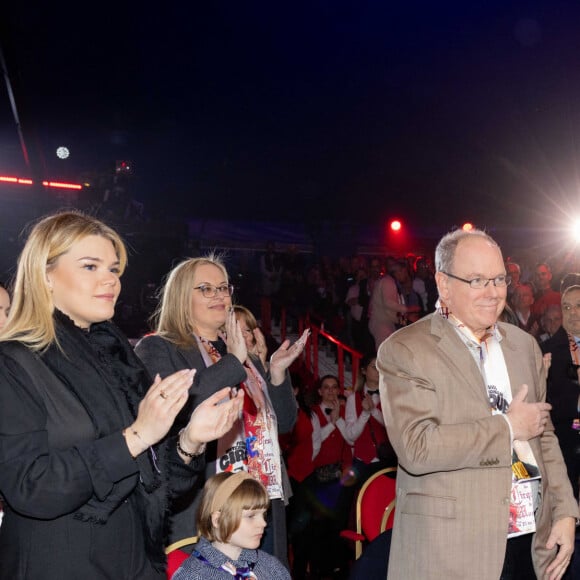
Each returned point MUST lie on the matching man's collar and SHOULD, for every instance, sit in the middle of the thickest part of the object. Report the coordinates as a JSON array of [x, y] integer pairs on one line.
[[490, 331]]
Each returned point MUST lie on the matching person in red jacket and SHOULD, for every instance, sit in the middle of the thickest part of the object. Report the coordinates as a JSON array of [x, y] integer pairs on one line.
[[319, 461], [365, 424], [331, 482], [331, 445]]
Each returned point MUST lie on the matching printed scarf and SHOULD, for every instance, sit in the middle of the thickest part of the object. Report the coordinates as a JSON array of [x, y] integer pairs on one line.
[[257, 431]]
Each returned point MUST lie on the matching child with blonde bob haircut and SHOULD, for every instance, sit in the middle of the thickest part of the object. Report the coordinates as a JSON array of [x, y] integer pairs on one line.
[[231, 521]]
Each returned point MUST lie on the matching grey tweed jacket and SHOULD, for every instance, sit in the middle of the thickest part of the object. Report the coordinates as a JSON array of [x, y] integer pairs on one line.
[[265, 566]]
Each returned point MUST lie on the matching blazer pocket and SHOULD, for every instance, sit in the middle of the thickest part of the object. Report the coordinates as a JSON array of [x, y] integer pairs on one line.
[[429, 505]]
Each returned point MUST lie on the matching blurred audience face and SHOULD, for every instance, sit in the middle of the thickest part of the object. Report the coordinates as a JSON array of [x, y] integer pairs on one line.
[[375, 268], [361, 274], [372, 374], [571, 312], [4, 306], [552, 319], [523, 297], [543, 277], [247, 331], [423, 268], [357, 262], [400, 273], [329, 390], [513, 270]]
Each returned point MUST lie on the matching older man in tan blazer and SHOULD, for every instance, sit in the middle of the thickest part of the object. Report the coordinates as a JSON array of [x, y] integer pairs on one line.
[[459, 393]]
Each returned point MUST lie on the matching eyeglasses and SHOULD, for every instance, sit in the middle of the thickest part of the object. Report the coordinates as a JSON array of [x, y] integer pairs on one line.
[[479, 283], [210, 291]]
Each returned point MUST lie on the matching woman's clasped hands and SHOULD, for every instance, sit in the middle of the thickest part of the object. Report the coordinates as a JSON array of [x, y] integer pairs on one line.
[[212, 418], [158, 409]]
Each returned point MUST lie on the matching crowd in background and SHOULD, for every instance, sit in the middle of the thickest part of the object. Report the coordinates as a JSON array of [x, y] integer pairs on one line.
[[340, 292]]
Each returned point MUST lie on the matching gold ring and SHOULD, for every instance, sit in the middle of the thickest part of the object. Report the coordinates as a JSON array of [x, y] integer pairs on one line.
[[163, 395]]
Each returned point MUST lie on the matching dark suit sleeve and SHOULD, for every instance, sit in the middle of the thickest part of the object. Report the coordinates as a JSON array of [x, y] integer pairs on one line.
[[562, 498], [163, 357], [183, 476], [562, 390], [42, 481], [160, 356]]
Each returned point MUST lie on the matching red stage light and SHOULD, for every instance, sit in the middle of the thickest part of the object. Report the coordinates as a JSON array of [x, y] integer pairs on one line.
[[60, 185], [6, 179], [26, 181], [396, 225]]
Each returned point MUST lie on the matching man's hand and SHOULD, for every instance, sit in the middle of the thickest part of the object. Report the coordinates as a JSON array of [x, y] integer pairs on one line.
[[561, 534], [528, 420]]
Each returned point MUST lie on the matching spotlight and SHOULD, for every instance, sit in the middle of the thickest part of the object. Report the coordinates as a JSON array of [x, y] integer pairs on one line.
[[576, 230]]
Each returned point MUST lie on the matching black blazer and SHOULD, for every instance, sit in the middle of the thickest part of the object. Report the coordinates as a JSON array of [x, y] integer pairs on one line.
[[164, 357], [52, 464], [562, 386]]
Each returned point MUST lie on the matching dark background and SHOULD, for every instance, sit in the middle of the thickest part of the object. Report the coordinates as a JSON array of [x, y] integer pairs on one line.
[[437, 113]]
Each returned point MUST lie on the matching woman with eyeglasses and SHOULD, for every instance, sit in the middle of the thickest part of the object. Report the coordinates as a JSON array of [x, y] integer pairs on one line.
[[196, 327]]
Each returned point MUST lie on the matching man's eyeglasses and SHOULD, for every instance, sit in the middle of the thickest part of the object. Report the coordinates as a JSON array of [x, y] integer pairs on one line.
[[211, 291], [479, 283]]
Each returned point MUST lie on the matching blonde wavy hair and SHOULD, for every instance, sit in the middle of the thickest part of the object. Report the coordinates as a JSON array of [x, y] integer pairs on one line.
[[172, 318], [30, 320]]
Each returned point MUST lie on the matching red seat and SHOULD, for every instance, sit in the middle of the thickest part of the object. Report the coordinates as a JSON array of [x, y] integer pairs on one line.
[[375, 508], [175, 556]]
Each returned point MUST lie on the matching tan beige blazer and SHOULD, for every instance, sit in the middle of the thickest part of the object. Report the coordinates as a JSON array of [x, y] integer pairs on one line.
[[454, 480]]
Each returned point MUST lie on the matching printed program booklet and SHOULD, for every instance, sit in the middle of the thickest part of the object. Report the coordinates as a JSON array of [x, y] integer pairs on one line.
[[525, 481]]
